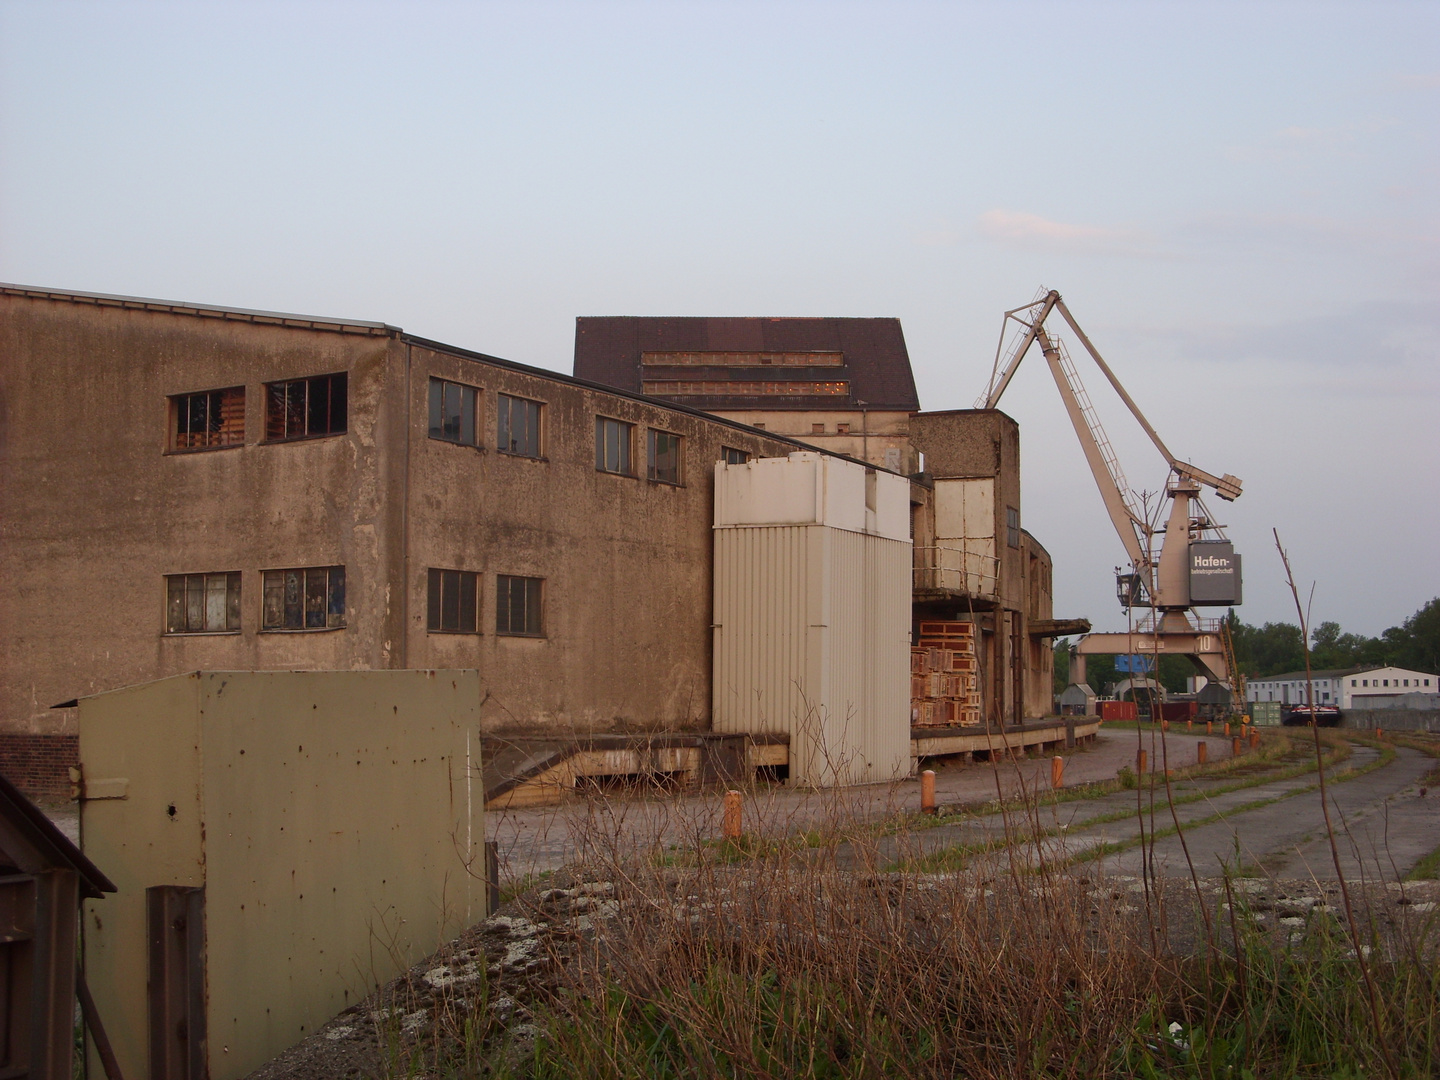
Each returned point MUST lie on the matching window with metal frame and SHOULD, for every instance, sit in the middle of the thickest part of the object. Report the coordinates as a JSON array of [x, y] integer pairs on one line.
[[202, 603], [452, 412], [304, 598], [518, 426], [306, 408], [518, 606], [731, 456], [1012, 527], [207, 420], [613, 442], [664, 456], [451, 602]]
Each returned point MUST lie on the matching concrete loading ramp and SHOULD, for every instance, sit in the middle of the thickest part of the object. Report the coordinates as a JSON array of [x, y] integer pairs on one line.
[[523, 771]]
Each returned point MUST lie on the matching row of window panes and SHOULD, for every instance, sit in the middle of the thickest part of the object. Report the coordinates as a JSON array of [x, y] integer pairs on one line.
[[1376, 682], [453, 604], [317, 406], [454, 418], [313, 598], [294, 409], [303, 598], [614, 442]]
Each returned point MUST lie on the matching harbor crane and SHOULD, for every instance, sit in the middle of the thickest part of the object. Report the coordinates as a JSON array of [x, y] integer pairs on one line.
[[1194, 564]]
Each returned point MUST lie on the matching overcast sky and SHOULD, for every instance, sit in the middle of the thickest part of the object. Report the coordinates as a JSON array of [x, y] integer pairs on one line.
[[1239, 202]]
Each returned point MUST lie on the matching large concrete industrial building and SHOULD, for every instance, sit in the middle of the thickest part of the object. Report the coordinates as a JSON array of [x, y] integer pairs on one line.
[[190, 487]]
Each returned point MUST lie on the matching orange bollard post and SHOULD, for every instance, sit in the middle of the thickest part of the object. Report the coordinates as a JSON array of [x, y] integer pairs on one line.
[[1209, 727], [1379, 732], [1254, 739], [1057, 772], [1202, 752], [732, 815], [1189, 725], [1164, 725], [1235, 746], [1227, 727], [927, 791], [1140, 762]]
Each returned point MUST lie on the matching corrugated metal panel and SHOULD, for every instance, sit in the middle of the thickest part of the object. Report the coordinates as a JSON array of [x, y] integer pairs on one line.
[[812, 639]]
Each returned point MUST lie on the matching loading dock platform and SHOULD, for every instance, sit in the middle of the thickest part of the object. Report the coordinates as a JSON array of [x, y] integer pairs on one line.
[[535, 771]]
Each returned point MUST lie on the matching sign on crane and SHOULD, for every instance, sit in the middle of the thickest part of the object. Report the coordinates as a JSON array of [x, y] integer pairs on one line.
[[1195, 565]]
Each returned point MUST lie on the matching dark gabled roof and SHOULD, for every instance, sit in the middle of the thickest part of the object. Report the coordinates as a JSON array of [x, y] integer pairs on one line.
[[210, 311], [876, 365], [32, 843]]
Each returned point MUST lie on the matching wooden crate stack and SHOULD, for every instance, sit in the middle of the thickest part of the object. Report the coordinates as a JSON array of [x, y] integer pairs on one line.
[[944, 688]]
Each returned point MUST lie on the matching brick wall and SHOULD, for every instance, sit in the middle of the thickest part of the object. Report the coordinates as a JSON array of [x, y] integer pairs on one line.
[[39, 764]]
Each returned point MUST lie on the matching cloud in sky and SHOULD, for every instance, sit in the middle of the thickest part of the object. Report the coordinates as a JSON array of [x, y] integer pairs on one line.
[[1298, 142]]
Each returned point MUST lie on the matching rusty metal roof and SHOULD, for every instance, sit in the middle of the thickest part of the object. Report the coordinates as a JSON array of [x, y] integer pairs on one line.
[[875, 366]]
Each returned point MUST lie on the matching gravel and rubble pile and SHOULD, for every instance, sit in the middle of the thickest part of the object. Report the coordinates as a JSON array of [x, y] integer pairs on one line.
[[484, 988]]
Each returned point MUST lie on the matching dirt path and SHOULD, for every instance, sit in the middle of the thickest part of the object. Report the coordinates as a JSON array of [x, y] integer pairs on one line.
[[539, 839]]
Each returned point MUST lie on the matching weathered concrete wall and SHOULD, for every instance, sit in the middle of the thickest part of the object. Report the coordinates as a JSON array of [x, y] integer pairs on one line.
[[881, 438], [1393, 719], [1016, 669], [94, 511], [329, 816], [626, 561]]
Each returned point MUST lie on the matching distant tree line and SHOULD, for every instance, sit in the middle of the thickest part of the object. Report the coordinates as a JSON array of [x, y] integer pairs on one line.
[[1275, 648]]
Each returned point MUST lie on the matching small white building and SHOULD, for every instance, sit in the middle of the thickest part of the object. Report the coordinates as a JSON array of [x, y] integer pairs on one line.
[[1347, 688]]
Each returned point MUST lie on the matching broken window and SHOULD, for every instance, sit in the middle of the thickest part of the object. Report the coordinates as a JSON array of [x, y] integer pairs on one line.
[[452, 412], [202, 603], [305, 598], [613, 440], [1012, 527], [519, 426], [664, 457], [517, 606], [208, 419], [306, 408], [451, 602], [731, 456]]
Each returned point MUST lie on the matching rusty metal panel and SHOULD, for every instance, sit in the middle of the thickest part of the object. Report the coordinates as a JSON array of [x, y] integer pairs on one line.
[[52, 992], [38, 916], [175, 935], [17, 953]]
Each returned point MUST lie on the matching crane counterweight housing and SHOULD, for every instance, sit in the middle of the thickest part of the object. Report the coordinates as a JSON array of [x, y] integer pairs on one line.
[[1214, 574]]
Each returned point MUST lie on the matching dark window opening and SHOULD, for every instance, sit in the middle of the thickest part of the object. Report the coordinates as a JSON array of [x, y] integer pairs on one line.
[[519, 426], [305, 598], [1012, 527], [517, 606], [664, 457], [306, 408], [206, 420], [613, 439], [202, 603], [731, 456], [452, 412], [451, 602]]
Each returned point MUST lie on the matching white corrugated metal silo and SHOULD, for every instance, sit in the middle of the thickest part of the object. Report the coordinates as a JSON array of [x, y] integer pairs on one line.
[[812, 613]]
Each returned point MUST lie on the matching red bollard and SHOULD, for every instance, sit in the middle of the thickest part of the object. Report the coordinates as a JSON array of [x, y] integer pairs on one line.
[[927, 791], [732, 815], [1057, 772]]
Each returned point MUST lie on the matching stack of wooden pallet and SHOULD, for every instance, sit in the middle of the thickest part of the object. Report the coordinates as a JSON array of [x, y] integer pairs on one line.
[[944, 691]]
